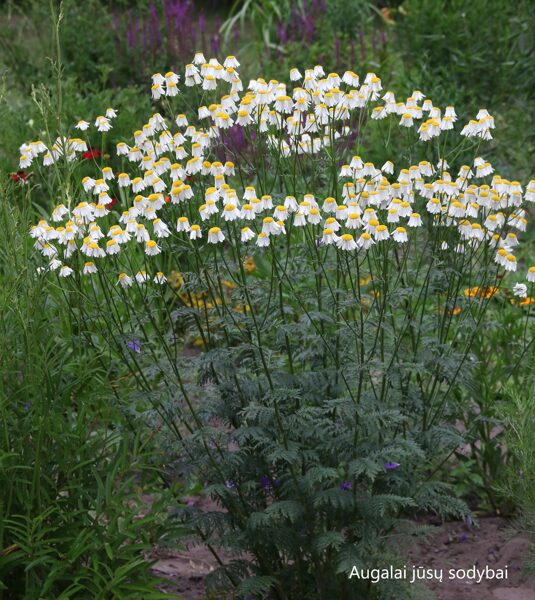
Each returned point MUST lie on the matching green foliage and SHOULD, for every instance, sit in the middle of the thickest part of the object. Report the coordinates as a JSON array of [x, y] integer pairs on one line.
[[103, 44], [518, 413], [71, 523], [475, 54], [262, 14], [485, 460], [459, 42], [299, 468], [338, 34], [341, 17], [344, 16]]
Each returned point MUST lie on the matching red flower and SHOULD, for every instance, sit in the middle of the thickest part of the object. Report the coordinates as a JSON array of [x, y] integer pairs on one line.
[[91, 153], [111, 204], [19, 176]]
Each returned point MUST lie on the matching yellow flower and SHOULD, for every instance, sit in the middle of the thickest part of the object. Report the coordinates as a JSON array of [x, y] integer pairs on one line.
[[491, 291], [176, 280], [186, 299], [471, 292], [477, 292], [527, 301], [241, 308], [195, 302], [198, 342], [249, 264]]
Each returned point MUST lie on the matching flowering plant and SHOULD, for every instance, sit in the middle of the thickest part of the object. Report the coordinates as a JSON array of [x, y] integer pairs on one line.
[[325, 295]]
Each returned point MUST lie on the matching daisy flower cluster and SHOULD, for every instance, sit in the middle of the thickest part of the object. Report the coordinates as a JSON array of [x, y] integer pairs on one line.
[[175, 189], [70, 148]]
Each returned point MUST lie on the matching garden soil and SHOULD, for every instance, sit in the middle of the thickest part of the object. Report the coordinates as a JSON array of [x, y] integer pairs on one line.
[[491, 543]]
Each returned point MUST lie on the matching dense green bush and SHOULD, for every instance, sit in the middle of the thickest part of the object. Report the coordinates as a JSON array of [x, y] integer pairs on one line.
[[335, 365], [71, 521]]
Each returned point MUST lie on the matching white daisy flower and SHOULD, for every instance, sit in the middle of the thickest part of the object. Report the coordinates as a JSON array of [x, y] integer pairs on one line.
[[124, 280], [215, 235], [152, 248]]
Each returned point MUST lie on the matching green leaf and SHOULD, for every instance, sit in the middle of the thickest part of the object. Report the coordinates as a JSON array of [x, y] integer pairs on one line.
[[286, 509], [328, 540]]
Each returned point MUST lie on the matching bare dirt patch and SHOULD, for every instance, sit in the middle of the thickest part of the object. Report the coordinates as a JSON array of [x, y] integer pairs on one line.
[[490, 543]]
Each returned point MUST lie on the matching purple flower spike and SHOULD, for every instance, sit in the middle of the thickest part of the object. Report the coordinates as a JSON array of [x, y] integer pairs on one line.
[[391, 466], [281, 33], [214, 44], [134, 346], [346, 485]]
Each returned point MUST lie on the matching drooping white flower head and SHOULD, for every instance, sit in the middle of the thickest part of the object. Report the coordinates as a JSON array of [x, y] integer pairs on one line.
[[124, 280], [82, 125], [215, 235]]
